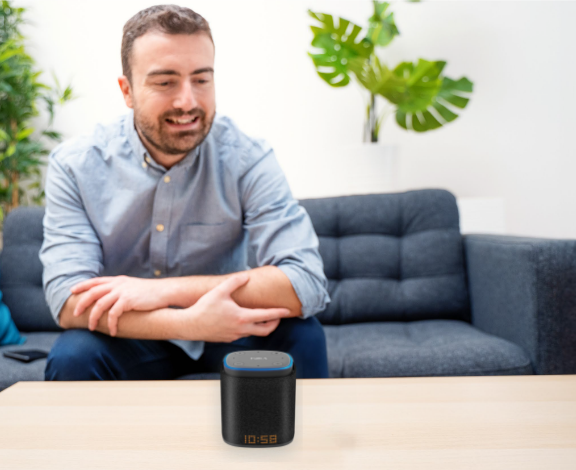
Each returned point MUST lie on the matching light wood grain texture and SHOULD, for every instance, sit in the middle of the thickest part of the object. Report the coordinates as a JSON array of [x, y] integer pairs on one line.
[[526, 422]]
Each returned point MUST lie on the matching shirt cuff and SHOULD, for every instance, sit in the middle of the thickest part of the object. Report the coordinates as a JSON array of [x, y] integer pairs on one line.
[[312, 295], [57, 296]]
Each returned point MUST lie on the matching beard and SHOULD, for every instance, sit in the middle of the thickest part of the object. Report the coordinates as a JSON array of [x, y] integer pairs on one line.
[[171, 142]]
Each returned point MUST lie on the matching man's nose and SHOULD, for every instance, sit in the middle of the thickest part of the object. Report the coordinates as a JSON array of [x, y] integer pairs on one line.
[[186, 99]]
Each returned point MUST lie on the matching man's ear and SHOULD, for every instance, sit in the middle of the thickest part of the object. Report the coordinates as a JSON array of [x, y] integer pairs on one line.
[[126, 90]]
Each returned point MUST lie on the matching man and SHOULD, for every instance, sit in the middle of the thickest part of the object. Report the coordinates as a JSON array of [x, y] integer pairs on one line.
[[148, 221]]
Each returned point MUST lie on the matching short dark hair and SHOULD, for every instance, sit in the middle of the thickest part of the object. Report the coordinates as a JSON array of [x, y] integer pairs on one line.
[[170, 19]]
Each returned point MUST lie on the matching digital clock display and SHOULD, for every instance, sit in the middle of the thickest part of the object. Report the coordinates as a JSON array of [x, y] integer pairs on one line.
[[262, 439]]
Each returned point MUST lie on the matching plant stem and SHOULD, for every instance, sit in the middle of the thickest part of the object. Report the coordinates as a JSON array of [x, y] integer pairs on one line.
[[373, 135], [14, 174], [14, 181]]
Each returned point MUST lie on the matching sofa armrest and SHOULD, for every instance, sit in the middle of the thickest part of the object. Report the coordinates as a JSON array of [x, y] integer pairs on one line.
[[523, 289]]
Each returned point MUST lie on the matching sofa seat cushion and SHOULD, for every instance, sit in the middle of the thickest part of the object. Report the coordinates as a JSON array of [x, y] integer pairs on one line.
[[420, 348], [12, 371]]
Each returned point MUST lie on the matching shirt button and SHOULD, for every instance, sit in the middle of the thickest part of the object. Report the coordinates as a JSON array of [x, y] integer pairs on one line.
[[159, 227], [157, 273], [144, 165], [166, 179], [148, 159]]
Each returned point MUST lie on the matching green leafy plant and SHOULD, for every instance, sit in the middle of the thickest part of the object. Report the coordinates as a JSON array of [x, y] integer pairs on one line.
[[420, 96], [20, 90]]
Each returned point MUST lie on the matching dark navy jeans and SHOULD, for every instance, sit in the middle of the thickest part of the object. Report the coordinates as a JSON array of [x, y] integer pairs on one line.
[[81, 354]]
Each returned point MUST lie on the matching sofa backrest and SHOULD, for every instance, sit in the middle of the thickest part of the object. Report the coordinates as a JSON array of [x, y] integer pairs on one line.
[[391, 257], [395, 257], [21, 270]]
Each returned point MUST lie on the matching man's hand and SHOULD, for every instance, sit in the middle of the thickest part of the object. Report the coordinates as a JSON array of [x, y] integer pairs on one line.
[[215, 317], [117, 294]]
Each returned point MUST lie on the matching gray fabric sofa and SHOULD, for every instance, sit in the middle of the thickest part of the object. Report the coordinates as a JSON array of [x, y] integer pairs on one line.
[[411, 295]]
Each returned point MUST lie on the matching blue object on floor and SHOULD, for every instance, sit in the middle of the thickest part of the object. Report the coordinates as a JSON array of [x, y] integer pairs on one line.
[[9, 334]]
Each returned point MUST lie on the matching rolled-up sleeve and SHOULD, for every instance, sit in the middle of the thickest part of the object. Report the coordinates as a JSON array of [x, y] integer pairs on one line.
[[71, 251], [280, 231]]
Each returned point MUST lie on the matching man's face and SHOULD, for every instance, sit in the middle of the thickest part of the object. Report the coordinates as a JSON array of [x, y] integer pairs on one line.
[[172, 78]]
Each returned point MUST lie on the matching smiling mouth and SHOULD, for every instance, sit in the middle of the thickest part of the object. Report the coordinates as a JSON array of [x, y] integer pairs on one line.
[[184, 124], [181, 121]]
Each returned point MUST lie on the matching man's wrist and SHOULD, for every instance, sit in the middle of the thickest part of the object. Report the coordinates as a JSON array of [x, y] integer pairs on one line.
[[160, 324], [177, 291], [168, 291], [185, 291], [183, 323]]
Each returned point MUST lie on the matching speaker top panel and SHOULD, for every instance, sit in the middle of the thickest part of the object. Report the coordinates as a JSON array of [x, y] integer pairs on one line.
[[258, 363]]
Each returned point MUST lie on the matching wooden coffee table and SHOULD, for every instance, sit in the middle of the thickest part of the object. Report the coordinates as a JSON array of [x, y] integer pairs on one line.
[[526, 422]]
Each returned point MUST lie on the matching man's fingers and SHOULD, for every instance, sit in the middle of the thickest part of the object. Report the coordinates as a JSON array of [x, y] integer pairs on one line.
[[253, 315], [264, 329], [271, 316], [99, 308], [89, 298], [232, 283], [88, 284], [113, 315]]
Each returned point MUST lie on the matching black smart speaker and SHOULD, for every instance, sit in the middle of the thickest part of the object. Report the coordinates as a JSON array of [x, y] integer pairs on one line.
[[258, 392]]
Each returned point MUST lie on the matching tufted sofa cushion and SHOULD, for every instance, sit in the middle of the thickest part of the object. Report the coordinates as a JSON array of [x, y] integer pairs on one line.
[[21, 282], [391, 257]]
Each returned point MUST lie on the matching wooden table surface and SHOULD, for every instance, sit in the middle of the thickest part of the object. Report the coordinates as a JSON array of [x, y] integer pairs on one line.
[[514, 422]]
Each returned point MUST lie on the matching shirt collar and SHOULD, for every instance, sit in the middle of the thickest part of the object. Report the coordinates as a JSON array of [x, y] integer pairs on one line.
[[142, 153]]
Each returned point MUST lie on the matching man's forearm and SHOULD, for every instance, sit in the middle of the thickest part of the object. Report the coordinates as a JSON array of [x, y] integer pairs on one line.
[[268, 287], [161, 324]]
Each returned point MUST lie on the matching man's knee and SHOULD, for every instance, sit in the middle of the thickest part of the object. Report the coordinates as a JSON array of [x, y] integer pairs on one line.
[[308, 347], [305, 330], [77, 354], [309, 327]]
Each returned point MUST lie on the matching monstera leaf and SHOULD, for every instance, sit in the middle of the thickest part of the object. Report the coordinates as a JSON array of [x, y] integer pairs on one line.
[[418, 91], [450, 91], [422, 84], [339, 46], [382, 28], [378, 79]]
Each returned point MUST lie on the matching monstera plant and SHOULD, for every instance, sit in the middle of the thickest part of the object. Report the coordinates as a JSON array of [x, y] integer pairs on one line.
[[420, 96]]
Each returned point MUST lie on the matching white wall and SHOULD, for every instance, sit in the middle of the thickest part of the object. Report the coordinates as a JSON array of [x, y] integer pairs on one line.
[[514, 140]]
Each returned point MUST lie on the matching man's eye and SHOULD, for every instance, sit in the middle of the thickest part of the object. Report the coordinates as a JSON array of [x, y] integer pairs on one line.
[[163, 83]]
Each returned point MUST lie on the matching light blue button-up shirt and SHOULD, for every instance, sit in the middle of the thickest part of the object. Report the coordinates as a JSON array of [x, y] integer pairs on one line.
[[112, 210]]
